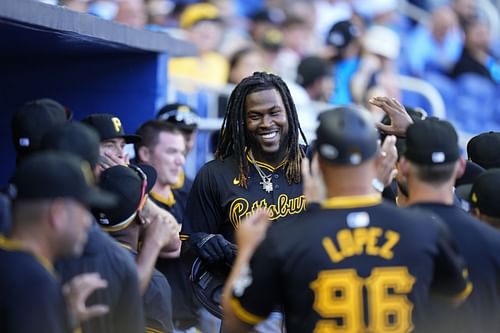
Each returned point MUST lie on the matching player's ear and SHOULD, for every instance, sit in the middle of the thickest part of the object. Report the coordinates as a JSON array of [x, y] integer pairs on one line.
[[460, 167], [57, 215], [143, 154]]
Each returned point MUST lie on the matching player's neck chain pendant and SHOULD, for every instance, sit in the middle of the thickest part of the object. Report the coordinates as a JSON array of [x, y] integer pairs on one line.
[[267, 183]]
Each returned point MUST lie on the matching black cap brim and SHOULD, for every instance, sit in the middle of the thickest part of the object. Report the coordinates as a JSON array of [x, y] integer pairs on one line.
[[99, 199], [131, 138]]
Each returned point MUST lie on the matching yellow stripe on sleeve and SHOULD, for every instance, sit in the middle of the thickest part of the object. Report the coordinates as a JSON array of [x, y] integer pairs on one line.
[[243, 314]]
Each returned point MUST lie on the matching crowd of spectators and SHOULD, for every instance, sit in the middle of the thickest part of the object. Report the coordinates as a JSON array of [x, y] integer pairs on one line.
[[364, 45]]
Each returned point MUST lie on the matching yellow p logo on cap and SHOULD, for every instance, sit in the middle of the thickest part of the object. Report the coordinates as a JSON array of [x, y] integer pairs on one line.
[[117, 123]]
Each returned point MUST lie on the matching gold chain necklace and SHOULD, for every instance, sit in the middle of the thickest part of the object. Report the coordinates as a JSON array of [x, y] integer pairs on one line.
[[267, 183]]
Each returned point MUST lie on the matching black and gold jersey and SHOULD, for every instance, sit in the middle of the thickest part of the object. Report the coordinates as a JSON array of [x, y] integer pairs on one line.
[[354, 265], [479, 244], [31, 298], [217, 203]]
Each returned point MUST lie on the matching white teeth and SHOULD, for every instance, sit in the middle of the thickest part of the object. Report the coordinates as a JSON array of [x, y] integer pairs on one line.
[[269, 135]]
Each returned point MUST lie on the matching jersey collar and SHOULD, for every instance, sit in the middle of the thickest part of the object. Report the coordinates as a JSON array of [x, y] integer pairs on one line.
[[353, 201], [169, 200], [13, 245], [264, 164]]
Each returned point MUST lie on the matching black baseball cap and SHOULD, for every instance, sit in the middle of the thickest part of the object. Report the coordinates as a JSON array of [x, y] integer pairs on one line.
[[485, 192], [129, 184], [341, 34], [76, 138], [32, 120], [182, 116], [484, 149], [346, 135], [50, 175], [108, 127], [472, 171], [310, 69], [431, 142]]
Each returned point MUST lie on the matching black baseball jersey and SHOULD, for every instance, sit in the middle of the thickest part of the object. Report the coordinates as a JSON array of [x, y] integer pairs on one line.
[[103, 255], [31, 299], [176, 270], [355, 265], [217, 203], [172, 204], [479, 244], [157, 300], [158, 305]]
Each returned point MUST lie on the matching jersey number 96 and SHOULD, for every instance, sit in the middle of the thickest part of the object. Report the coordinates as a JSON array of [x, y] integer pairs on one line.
[[339, 297]]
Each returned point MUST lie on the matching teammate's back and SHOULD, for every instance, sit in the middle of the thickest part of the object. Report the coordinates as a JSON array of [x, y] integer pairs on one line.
[[431, 163], [367, 268], [479, 244]]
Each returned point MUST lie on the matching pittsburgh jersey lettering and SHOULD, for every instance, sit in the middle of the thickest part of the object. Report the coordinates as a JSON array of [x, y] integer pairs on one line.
[[241, 208], [360, 241]]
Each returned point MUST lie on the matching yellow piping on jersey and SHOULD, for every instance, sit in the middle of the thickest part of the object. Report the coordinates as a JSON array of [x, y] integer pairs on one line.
[[243, 314], [169, 200], [353, 201], [461, 296], [153, 330], [265, 165], [13, 245]]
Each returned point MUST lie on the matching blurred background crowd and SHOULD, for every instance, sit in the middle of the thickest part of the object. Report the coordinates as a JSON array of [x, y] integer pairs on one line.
[[440, 55]]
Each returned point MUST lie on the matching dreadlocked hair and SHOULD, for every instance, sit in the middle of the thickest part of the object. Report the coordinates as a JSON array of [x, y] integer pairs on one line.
[[233, 139]]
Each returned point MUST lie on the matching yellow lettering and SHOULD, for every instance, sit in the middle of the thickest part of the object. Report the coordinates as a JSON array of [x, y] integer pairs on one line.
[[371, 245], [238, 209], [325, 326], [346, 242], [361, 239], [241, 208], [386, 249], [338, 300], [331, 250], [283, 204], [391, 312], [117, 123], [337, 296]]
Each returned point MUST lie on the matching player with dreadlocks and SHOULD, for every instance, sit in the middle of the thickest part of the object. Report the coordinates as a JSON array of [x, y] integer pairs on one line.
[[233, 139], [256, 165]]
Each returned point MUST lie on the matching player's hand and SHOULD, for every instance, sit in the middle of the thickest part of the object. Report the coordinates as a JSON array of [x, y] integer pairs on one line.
[[167, 238], [311, 180], [400, 119], [162, 229], [77, 290], [386, 161], [252, 231], [213, 248]]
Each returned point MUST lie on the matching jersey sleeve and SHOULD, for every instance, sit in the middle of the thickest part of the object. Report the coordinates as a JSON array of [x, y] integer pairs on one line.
[[203, 208], [450, 274], [256, 291]]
